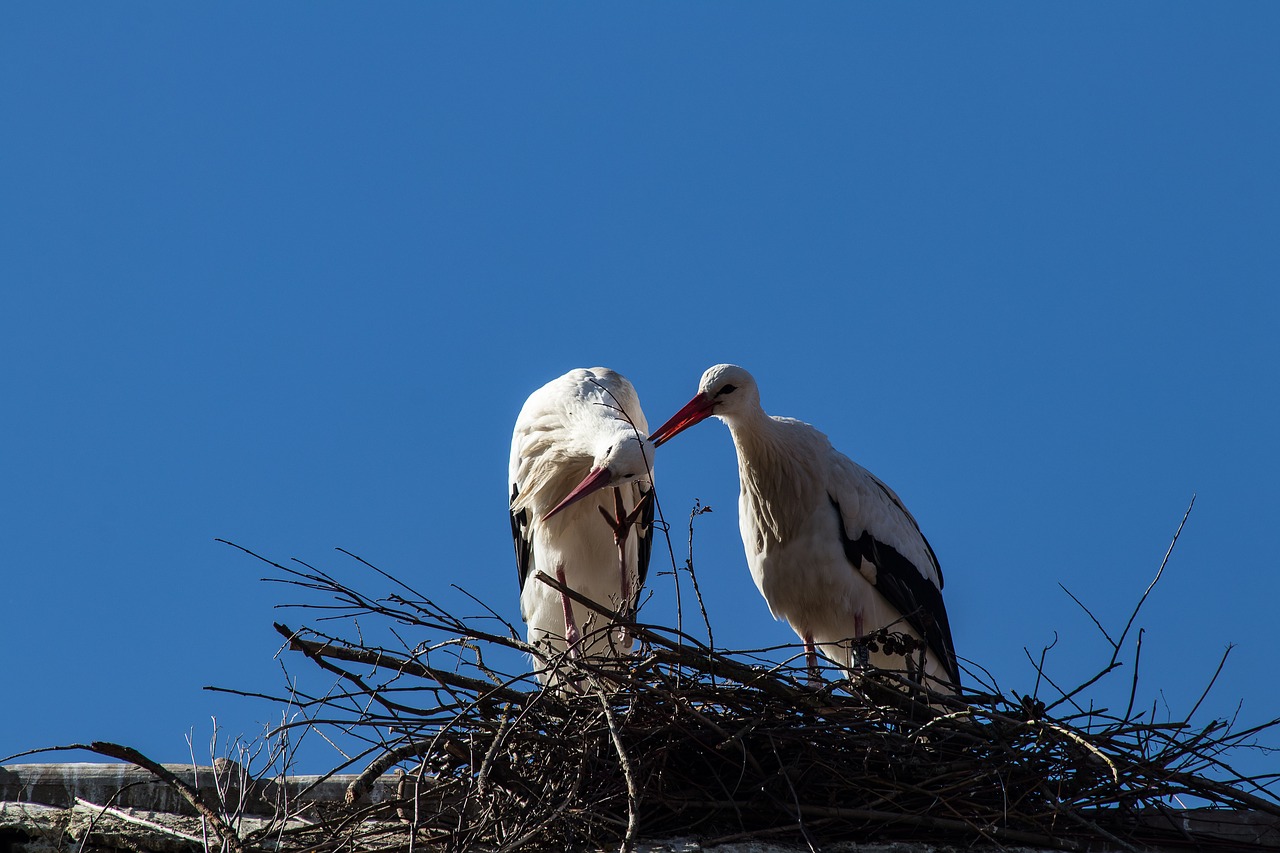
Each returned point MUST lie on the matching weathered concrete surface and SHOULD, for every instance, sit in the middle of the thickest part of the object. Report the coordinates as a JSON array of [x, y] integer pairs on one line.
[[126, 786], [46, 829]]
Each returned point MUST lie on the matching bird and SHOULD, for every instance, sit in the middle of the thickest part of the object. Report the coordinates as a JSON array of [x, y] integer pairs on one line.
[[832, 549], [580, 448]]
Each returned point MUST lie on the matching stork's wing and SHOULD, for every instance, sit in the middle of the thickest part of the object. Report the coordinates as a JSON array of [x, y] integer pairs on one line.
[[882, 541], [533, 444], [520, 534]]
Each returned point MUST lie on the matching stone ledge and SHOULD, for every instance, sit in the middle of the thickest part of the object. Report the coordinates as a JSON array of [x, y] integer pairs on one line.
[[126, 786]]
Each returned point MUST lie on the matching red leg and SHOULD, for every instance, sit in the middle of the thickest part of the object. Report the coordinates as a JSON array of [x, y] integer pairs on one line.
[[811, 660], [571, 634]]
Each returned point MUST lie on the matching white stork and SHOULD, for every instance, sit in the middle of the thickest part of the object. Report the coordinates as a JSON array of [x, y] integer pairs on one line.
[[580, 447], [830, 547]]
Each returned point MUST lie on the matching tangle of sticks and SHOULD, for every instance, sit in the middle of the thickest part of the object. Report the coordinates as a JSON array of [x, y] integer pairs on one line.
[[682, 739]]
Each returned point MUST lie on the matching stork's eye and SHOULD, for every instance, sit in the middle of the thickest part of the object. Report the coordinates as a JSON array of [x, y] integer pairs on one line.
[[728, 389]]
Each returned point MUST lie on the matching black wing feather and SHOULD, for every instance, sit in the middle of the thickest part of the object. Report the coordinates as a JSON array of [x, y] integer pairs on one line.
[[644, 548], [520, 535], [905, 587]]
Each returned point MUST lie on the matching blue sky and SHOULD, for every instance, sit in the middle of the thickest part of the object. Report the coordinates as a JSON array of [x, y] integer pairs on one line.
[[284, 275]]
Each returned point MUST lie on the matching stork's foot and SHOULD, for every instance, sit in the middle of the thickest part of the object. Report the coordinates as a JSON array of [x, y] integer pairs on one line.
[[621, 523]]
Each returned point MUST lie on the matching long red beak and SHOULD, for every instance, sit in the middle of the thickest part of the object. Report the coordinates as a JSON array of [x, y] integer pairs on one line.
[[696, 410], [596, 480]]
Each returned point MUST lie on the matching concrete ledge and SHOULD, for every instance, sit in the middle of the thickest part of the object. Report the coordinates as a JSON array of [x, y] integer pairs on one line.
[[126, 786]]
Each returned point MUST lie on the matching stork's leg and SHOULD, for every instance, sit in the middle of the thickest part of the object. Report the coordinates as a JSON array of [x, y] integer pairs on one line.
[[571, 634], [811, 660], [624, 633]]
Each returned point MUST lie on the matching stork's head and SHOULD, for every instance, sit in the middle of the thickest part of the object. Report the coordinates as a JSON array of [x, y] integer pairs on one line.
[[726, 390], [619, 460]]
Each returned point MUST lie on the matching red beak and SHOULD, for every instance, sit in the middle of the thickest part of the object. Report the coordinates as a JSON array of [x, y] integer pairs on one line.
[[596, 480], [696, 410]]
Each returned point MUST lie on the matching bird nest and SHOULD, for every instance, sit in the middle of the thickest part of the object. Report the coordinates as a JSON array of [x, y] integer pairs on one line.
[[683, 739]]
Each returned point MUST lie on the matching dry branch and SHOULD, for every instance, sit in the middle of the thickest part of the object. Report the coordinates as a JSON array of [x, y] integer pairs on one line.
[[227, 835]]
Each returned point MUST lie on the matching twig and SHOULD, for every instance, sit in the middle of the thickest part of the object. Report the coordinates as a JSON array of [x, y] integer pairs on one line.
[[1133, 687], [318, 651], [1035, 691], [698, 509], [1089, 613], [84, 839], [1221, 662], [1154, 581], [122, 815], [633, 793]]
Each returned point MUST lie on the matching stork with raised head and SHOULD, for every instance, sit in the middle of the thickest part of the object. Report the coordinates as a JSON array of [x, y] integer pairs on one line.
[[580, 448], [832, 548]]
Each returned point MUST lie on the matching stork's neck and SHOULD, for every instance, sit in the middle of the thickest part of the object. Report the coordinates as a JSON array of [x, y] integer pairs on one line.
[[753, 432], [776, 467]]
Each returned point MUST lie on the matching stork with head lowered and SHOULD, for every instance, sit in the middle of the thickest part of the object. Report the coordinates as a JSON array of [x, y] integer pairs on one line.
[[580, 448]]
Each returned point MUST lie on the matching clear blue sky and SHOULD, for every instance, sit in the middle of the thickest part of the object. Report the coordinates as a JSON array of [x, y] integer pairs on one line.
[[284, 275]]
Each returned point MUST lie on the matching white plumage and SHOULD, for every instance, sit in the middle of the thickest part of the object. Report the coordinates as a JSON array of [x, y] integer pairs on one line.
[[831, 548], [578, 440]]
